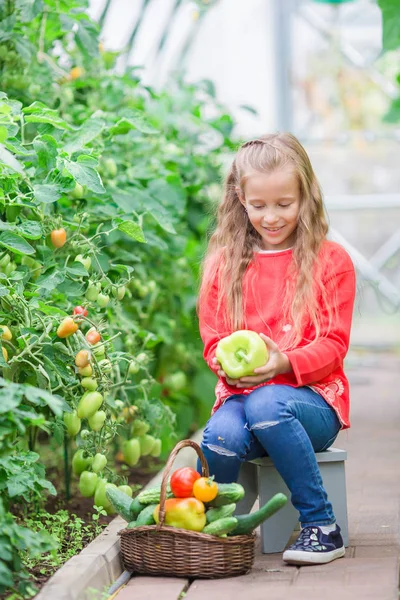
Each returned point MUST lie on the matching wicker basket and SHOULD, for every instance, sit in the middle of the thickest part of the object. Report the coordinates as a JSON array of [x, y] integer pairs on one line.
[[162, 550]]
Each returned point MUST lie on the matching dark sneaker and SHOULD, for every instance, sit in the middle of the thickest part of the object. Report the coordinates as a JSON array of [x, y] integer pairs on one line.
[[314, 547]]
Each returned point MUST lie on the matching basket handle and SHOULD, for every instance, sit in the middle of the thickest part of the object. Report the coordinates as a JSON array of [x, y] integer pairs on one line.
[[167, 470]]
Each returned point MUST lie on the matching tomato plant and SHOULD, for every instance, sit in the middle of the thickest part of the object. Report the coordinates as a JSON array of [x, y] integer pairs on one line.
[[86, 156]]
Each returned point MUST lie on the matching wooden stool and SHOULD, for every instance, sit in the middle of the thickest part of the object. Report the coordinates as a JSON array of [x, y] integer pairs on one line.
[[260, 478]]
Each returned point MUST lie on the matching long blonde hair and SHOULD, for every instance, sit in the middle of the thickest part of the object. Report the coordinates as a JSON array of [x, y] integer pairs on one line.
[[231, 246]]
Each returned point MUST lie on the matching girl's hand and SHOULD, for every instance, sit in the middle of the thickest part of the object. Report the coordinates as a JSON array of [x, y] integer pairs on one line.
[[278, 364], [222, 373]]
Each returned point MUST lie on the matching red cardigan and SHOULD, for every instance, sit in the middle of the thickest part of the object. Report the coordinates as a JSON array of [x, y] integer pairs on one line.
[[318, 365]]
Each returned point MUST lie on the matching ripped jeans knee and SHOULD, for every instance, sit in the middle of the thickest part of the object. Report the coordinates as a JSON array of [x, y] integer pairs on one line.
[[233, 444]]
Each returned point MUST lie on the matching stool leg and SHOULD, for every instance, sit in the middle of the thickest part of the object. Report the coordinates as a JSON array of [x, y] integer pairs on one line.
[[248, 479], [334, 478], [275, 531]]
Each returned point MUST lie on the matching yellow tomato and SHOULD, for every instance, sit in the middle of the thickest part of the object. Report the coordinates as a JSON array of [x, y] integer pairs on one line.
[[205, 489]]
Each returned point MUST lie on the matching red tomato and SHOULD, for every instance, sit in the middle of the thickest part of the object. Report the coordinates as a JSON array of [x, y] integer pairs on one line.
[[81, 310], [182, 481], [93, 336]]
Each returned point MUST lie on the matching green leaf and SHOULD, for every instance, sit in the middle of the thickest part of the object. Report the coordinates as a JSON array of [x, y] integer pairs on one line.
[[9, 159], [133, 230], [47, 193], [15, 146], [15, 243], [87, 38], [39, 396], [10, 398], [40, 113], [85, 175], [129, 201], [29, 9], [123, 126], [3, 291], [51, 280], [163, 219], [30, 229], [85, 134], [51, 310], [391, 24], [47, 151], [3, 134], [77, 269], [169, 193]]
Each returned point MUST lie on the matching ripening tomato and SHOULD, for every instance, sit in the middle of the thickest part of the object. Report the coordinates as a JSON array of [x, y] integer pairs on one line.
[[85, 371], [81, 310], [89, 383], [182, 481], [58, 237], [67, 327], [82, 359], [75, 73], [205, 489], [93, 336], [5, 353], [6, 335]]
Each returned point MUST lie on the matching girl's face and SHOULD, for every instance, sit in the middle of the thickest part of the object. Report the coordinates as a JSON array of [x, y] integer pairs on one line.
[[272, 201]]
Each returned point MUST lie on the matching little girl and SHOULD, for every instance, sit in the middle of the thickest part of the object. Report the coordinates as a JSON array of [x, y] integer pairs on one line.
[[270, 269]]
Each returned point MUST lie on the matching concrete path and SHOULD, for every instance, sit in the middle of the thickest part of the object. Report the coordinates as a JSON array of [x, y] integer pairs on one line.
[[370, 570]]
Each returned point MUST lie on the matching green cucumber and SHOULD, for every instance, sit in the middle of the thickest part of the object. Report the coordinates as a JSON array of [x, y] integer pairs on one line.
[[213, 514], [127, 508], [221, 526], [247, 523], [227, 493], [131, 525], [152, 495], [146, 516]]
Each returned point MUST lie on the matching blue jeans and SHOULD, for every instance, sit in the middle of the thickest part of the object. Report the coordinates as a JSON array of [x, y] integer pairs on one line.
[[289, 425]]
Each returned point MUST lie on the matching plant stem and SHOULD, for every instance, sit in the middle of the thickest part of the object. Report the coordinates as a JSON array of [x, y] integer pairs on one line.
[[66, 470]]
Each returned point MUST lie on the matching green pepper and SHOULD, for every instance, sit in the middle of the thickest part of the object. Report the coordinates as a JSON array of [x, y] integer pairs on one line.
[[87, 483], [240, 353]]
